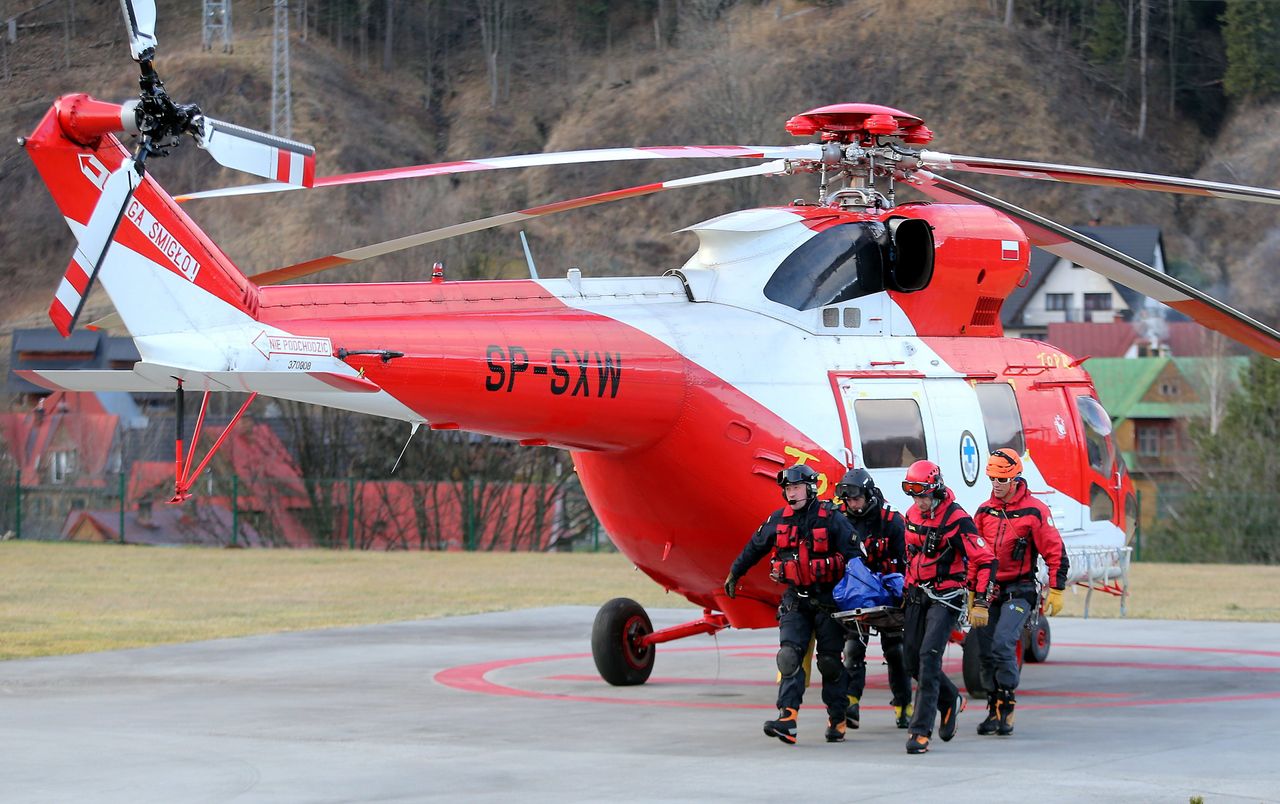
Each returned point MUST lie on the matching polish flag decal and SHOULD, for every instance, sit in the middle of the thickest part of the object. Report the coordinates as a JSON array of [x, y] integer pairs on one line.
[[1008, 249]]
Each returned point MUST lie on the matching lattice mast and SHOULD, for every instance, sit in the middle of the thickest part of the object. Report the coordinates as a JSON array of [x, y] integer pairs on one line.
[[217, 24], [281, 93]]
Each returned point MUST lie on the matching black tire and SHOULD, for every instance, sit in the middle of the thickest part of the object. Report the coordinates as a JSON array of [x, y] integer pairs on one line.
[[618, 624], [971, 663], [1038, 639]]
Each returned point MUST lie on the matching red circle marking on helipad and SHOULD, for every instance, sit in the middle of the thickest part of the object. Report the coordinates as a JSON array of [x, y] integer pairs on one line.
[[475, 678]]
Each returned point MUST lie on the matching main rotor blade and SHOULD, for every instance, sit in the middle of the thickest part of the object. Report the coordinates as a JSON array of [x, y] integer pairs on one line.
[[1115, 265], [532, 160], [291, 163], [1101, 177], [140, 18], [92, 247], [278, 275]]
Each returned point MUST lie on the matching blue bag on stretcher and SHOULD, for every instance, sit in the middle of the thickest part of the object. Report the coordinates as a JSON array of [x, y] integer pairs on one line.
[[860, 588]]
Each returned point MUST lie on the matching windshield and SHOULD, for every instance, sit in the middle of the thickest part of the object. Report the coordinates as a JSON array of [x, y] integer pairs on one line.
[[836, 265]]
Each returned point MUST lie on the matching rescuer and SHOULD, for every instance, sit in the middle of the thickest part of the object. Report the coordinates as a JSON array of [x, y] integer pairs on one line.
[[810, 543], [945, 555], [880, 533], [1019, 529]]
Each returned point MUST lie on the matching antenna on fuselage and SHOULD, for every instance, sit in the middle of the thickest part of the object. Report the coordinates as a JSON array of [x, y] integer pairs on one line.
[[528, 256], [413, 430]]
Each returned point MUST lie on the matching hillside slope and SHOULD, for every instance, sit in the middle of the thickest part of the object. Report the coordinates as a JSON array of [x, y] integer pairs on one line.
[[982, 88]]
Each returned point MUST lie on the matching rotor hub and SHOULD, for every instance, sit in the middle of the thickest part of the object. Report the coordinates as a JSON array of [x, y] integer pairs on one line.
[[859, 123]]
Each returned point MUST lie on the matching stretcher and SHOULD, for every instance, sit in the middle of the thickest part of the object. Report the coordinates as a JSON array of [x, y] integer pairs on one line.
[[877, 617]]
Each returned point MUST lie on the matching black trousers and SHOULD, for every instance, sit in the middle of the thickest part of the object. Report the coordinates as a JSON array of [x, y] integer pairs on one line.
[[799, 620], [855, 663], [928, 628]]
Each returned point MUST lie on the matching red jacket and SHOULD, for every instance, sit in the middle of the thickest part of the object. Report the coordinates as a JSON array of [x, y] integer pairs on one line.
[[962, 558], [1022, 525]]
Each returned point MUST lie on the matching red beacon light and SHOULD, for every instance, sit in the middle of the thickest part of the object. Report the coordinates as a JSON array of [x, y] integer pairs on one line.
[[859, 122]]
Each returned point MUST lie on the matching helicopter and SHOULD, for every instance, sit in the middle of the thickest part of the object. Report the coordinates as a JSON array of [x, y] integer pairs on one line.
[[847, 330]]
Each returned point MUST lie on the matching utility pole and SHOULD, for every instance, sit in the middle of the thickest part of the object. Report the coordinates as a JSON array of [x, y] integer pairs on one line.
[[217, 24], [281, 95]]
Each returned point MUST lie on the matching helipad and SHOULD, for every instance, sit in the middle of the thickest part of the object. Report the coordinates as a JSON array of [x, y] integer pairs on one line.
[[506, 706]]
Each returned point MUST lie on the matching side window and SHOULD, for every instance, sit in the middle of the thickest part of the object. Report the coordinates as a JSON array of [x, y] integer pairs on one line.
[[892, 432], [1097, 426], [1000, 416], [1130, 517], [1101, 508]]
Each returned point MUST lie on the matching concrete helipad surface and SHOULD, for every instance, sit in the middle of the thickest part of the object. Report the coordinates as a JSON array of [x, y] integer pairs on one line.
[[508, 707]]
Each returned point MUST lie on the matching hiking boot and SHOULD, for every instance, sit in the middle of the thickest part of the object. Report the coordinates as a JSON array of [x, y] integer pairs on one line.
[[835, 730], [851, 715], [1007, 702], [902, 716], [917, 744], [947, 728], [992, 722], [784, 728]]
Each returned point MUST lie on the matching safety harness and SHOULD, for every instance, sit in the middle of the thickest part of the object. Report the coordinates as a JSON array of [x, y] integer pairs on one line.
[[804, 561]]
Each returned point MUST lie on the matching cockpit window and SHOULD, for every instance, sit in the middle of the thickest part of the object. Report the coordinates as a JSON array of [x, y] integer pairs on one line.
[[1097, 428], [836, 265]]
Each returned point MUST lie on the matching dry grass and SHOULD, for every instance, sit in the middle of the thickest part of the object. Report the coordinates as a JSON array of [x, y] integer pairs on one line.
[[71, 598]]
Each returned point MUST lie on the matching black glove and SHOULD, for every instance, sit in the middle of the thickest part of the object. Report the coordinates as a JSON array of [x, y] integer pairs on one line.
[[731, 585]]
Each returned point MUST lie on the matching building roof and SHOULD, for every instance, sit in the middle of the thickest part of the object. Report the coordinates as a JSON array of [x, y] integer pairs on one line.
[[1122, 382], [1083, 339], [1201, 372], [206, 523], [1138, 242], [83, 349], [63, 419]]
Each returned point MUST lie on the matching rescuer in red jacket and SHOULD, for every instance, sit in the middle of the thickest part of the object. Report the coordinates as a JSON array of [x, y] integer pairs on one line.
[[945, 556], [1019, 529], [811, 542]]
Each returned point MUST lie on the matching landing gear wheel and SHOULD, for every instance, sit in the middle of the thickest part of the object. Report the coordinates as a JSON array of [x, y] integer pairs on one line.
[[618, 625], [1038, 639], [972, 667]]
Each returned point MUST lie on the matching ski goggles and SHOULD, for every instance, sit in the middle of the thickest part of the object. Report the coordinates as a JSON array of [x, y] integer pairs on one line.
[[915, 488]]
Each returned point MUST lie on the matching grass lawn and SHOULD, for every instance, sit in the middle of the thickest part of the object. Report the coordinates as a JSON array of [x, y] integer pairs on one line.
[[58, 598]]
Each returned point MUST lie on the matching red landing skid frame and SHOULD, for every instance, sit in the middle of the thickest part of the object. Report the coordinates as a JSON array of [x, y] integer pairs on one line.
[[184, 478], [710, 623]]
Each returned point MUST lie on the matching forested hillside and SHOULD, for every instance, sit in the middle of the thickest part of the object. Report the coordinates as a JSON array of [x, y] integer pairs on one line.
[[1154, 85]]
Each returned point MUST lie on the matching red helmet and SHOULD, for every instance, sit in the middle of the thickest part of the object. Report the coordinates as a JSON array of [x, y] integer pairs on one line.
[[923, 477]]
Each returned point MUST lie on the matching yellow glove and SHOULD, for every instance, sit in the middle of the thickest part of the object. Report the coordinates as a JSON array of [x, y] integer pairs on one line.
[[1053, 603], [970, 605], [978, 617]]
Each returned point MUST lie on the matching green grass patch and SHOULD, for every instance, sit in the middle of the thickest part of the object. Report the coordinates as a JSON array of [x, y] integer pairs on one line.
[[58, 598]]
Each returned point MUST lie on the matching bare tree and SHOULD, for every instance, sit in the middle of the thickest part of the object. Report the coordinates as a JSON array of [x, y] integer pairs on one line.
[[1143, 23], [388, 36], [495, 23]]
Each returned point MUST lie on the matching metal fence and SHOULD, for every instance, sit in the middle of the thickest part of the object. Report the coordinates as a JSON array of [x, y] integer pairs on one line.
[[345, 513]]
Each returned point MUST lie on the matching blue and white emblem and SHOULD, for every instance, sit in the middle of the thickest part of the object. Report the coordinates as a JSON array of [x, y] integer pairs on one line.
[[969, 464]]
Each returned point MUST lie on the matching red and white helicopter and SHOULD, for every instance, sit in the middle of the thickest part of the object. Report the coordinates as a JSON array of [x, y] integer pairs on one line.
[[847, 330]]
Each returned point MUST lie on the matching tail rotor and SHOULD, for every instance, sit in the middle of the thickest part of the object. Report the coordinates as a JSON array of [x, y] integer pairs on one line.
[[161, 125]]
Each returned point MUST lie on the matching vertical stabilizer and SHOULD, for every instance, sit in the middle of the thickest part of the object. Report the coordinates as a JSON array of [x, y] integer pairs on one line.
[[161, 271]]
